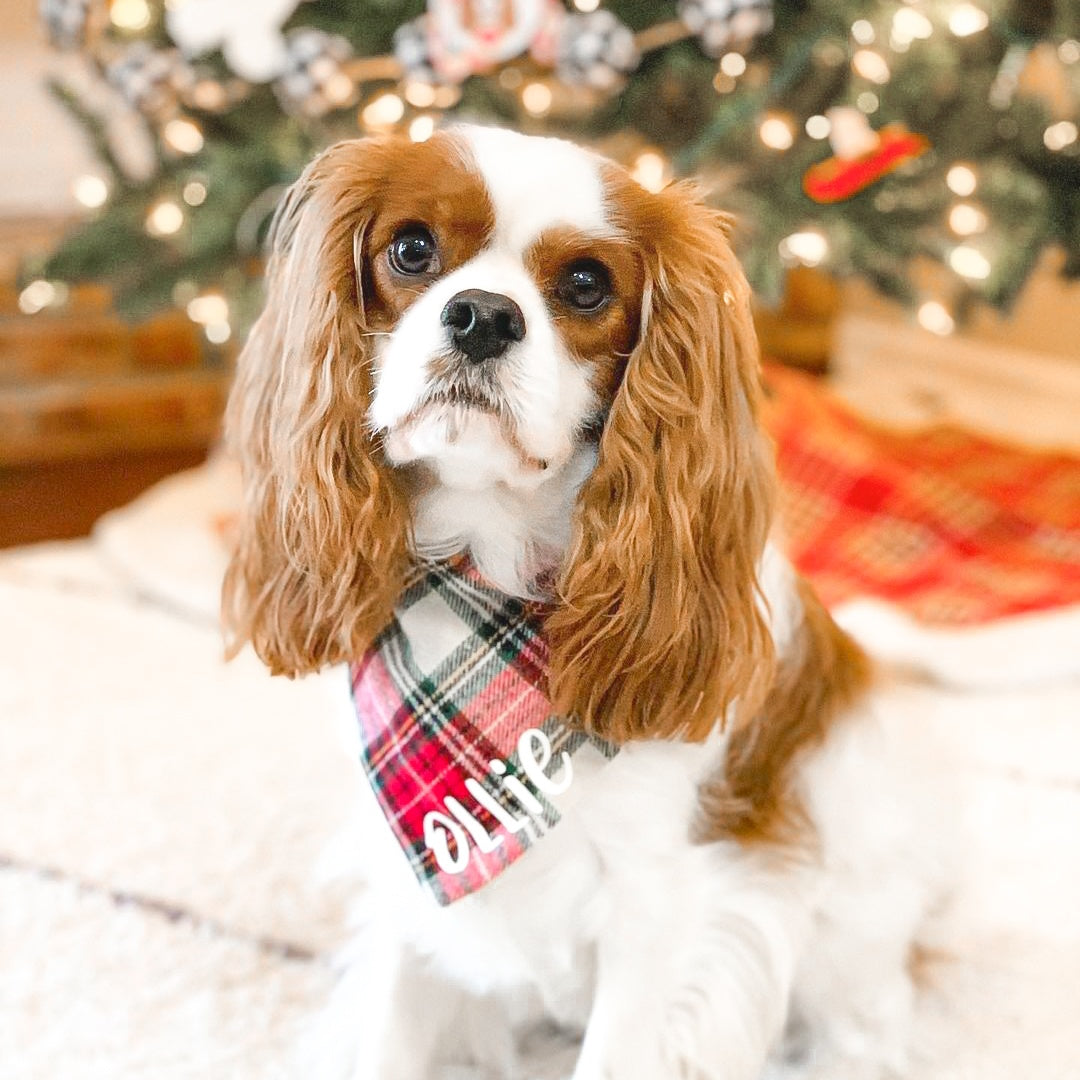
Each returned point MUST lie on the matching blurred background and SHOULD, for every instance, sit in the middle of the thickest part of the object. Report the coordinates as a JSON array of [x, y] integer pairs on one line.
[[906, 179], [906, 164]]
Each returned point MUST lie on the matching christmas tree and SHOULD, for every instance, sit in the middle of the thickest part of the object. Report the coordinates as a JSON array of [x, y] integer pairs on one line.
[[859, 137]]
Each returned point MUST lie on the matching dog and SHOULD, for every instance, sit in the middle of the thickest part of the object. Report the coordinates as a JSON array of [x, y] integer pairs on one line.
[[498, 359]]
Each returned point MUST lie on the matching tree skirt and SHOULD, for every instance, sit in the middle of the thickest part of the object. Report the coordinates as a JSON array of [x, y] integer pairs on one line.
[[950, 526]]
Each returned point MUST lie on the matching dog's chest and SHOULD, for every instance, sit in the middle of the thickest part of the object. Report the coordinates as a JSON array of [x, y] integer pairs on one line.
[[534, 929]]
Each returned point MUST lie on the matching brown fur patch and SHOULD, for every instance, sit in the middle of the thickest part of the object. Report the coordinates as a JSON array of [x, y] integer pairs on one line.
[[602, 339], [657, 630], [751, 798]]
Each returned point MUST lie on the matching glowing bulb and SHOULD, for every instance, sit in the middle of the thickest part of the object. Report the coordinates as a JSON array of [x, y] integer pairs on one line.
[[909, 25], [446, 97], [183, 136], [194, 193], [818, 127], [37, 295], [339, 89], [808, 247], [863, 32], [775, 132], [420, 94], [130, 14], [90, 191], [967, 19], [871, 65], [961, 180], [868, 102], [650, 171], [723, 84], [586, 5], [1058, 136], [969, 262], [208, 309], [967, 220], [422, 128], [385, 111], [537, 98], [217, 333], [1069, 51], [733, 64], [935, 317], [165, 219]]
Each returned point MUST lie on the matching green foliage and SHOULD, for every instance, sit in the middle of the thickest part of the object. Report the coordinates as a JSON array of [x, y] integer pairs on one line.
[[941, 87]]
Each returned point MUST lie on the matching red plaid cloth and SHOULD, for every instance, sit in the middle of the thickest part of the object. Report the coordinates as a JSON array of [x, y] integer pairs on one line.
[[456, 683], [950, 526]]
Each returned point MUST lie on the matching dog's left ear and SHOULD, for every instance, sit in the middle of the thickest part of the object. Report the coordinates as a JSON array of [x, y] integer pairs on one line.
[[659, 627]]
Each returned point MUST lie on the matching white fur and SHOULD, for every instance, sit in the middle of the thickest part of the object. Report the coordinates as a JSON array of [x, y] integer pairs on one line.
[[673, 960]]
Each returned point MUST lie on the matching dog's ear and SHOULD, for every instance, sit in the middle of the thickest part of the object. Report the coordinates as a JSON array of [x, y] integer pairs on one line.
[[660, 627], [322, 546]]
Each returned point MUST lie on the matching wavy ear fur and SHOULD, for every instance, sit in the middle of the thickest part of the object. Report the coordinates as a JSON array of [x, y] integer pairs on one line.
[[323, 537], [660, 628]]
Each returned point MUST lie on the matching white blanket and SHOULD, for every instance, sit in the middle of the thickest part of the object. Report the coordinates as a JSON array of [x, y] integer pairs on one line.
[[162, 815]]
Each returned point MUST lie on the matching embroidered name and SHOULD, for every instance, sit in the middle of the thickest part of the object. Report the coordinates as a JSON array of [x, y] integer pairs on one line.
[[460, 825]]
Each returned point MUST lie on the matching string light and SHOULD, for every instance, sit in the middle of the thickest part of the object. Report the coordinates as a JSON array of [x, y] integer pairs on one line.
[[967, 19], [871, 65], [36, 296], [422, 128], [776, 133], [733, 64], [164, 219], [130, 14], [818, 127], [650, 171], [90, 191], [909, 25], [537, 98], [1069, 51], [967, 220], [969, 262], [183, 136], [808, 247], [211, 310], [863, 32], [586, 5], [935, 317], [194, 193], [1058, 136], [961, 180], [446, 97], [209, 95], [723, 84], [421, 95], [868, 102], [383, 112]]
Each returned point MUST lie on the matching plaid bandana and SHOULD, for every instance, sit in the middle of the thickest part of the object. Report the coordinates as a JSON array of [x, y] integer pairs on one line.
[[456, 732]]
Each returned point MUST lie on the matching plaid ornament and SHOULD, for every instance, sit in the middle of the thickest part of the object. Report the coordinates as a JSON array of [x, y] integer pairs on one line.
[[457, 738]]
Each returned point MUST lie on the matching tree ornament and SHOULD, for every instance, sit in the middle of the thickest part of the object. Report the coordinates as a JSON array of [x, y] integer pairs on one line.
[[596, 50], [722, 24], [314, 81], [469, 37], [248, 32], [861, 156], [65, 21], [150, 79]]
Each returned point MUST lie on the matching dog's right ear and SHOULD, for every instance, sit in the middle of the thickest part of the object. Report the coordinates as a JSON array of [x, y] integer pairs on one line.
[[323, 537]]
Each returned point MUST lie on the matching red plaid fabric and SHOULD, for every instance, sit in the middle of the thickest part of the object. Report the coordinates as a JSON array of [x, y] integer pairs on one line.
[[953, 527], [456, 732]]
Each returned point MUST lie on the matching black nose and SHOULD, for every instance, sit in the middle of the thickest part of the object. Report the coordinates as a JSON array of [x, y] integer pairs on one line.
[[483, 324]]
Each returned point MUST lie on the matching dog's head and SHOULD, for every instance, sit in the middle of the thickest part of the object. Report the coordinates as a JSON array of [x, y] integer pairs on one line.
[[486, 310]]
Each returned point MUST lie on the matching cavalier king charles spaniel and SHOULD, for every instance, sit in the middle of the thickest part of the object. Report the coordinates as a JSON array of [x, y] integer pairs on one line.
[[502, 348]]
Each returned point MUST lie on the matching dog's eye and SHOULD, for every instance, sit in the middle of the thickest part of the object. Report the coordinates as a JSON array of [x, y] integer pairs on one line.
[[584, 285], [414, 251]]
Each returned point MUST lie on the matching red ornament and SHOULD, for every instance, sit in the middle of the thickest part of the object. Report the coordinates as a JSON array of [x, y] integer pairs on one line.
[[836, 178]]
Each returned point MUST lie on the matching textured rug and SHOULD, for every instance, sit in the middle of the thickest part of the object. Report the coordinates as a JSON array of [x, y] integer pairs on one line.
[[950, 526]]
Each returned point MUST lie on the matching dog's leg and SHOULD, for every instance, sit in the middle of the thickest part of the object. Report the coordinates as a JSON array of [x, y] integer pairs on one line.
[[392, 1018], [695, 968]]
